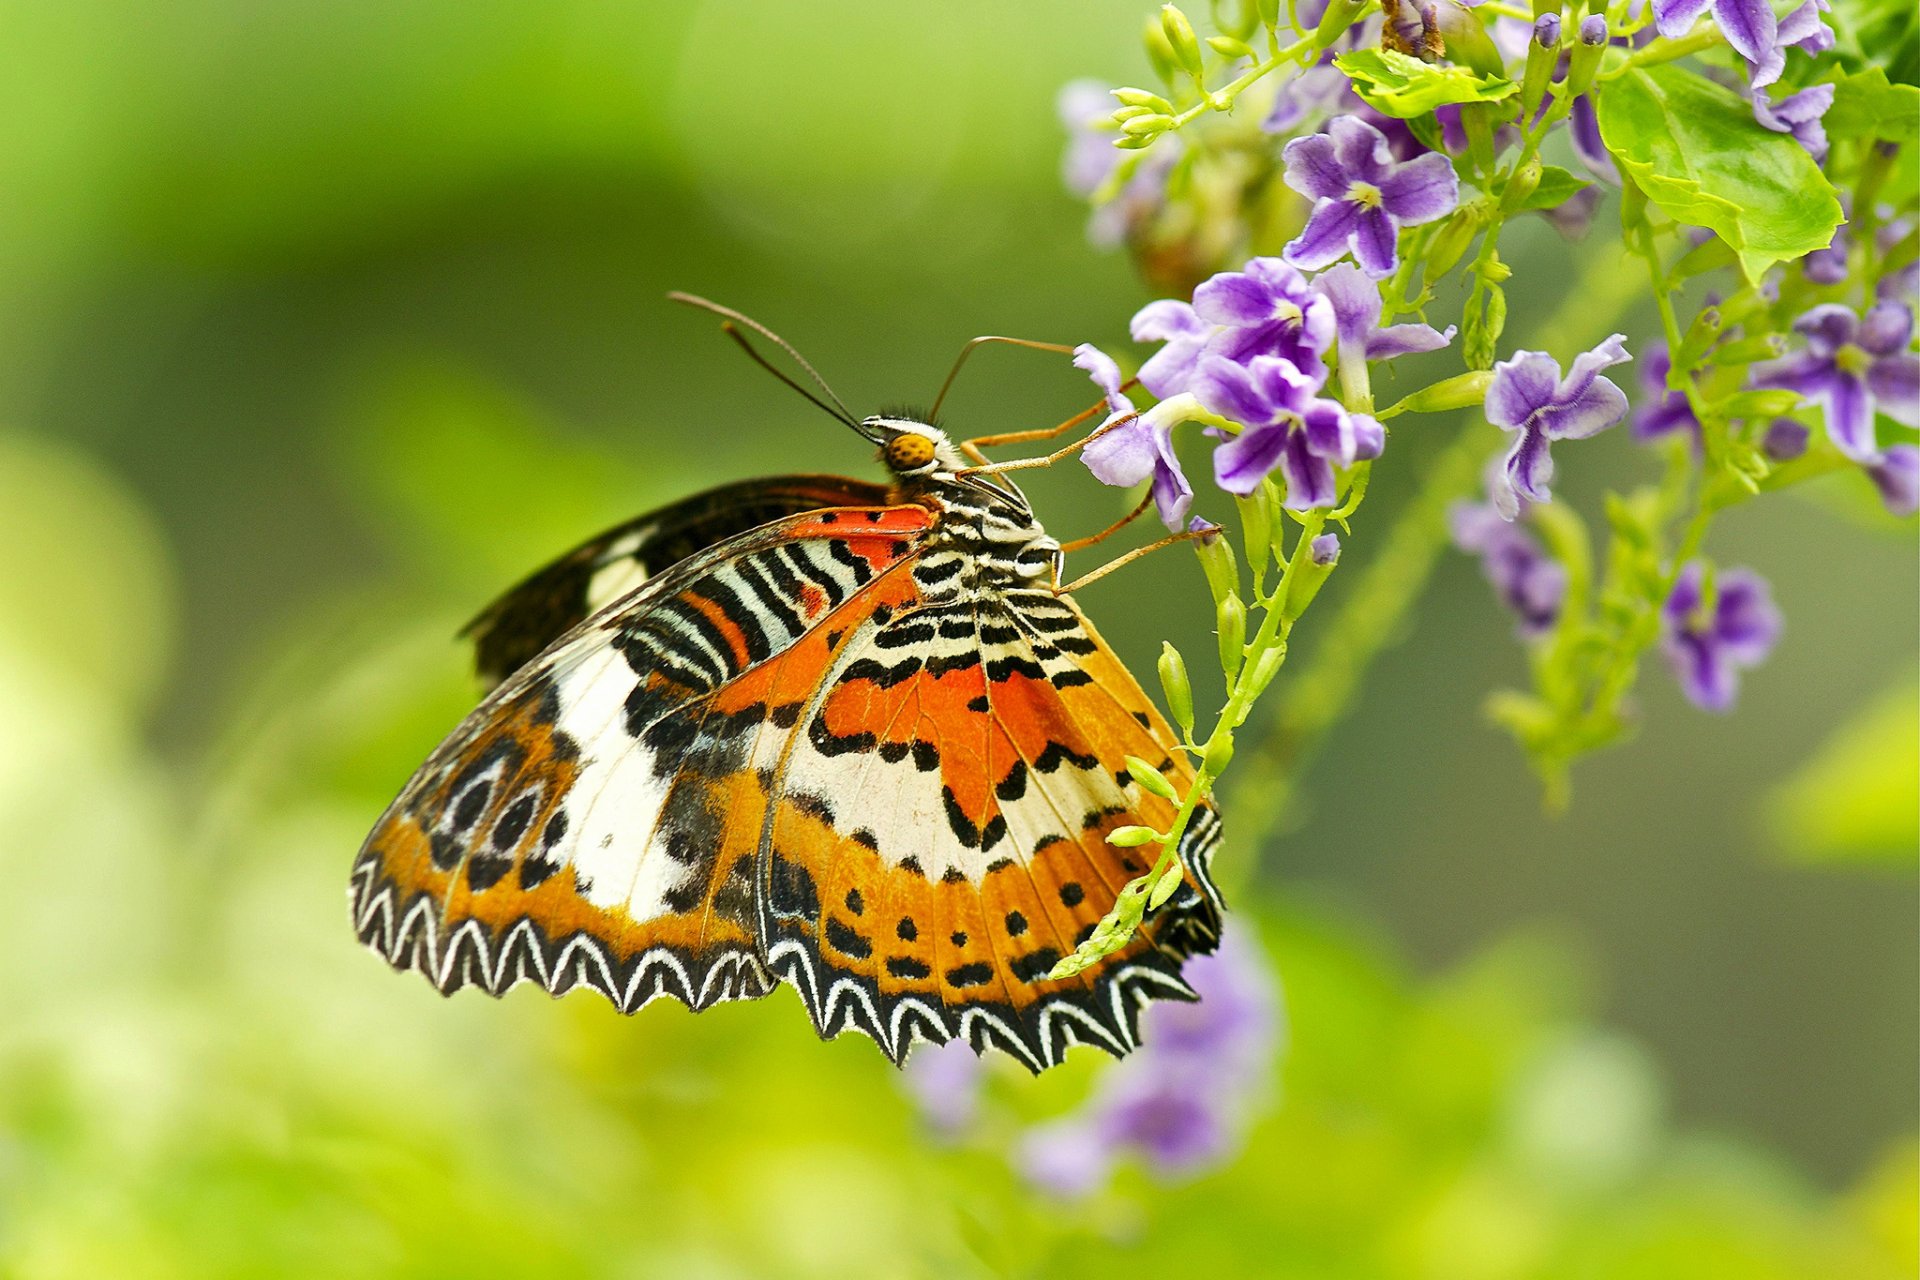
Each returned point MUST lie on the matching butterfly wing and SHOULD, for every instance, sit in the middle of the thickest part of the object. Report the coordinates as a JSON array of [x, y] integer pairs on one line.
[[780, 761], [553, 600]]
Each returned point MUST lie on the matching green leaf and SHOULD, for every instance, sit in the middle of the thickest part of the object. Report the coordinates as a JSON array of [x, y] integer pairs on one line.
[[1405, 88], [1866, 106], [1557, 186], [1695, 150], [1856, 801]]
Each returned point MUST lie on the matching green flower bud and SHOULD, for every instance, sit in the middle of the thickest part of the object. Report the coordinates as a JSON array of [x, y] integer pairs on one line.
[[1174, 683], [1151, 779], [1256, 517], [1231, 619], [1180, 38], [1160, 53], [1335, 21], [1521, 185], [1269, 11], [1150, 126], [1167, 885], [1132, 837], [1448, 243], [1457, 392], [1143, 98], [1219, 754], [1217, 562], [1229, 47]]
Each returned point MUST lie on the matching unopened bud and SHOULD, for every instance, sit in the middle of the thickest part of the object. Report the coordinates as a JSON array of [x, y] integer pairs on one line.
[[1180, 38], [1160, 54], [1546, 31], [1593, 29], [1231, 620], [1785, 440], [1308, 577], [1167, 885], [1129, 97], [1148, 126], [1218, 563], [1230, 47], [1131, 837], [1151, 779], [1179, 691], [1325, 550], [1457, 392], [1451, 241], [1521, 185], [1219, 754]]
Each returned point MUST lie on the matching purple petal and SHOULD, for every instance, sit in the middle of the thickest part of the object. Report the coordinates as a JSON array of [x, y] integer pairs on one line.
[[1521, 387], [1124, 456], [1827, 328], [1749, 26], [1421, 190], [1105, 374], [1172, 493], [1313, 169], [1376, 243], [1592, 411], [1785, 440], [1886, 328], [1328, 432], [1360, 149], [1243, 462], [1228, 389], [1168, 370], [1895, 383], [1369, 438], [1309, 476], [1689, 589], [1530, 467], [1325, 549], [1897, 476], [1069, 1158], [1674, 17], [1746, 622], [1235, 298], [1708, 682], [1406, 339], [1849, 408], [1325, 238], [1166, 319], [1285, 387], [1588, 364], [1583, 129], [1355, 300]]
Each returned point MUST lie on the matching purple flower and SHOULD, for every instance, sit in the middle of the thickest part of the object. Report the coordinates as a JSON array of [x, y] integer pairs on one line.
[[1573, 216], [1168, 370], [1853, 366], [1528, 396], [1314, 94], [1804, 28], [1785, 439], [1667, 411], [1527, 581], [1285, 424], [1090, 160], [1708, 646], [1267, 309], [1583, 130], [1749, 25], [1325, 549], [944, 1081], [1801, 114], [1355, 302], [1897, 475], [1362, 196], [1130, 446], [1829, 265], [1183, 1101]]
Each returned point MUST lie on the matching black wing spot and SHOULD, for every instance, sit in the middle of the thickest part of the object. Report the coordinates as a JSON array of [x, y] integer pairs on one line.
[[907, 967], [1016, 924], [855, 903], [958, 938], [556, 829], [1035, 965], [1014, 785], [535, 872], [970, 975], [906, 930], [484, 871], [790, 889], [866, 840], [1071, 894], [514, 822], [845, 940]]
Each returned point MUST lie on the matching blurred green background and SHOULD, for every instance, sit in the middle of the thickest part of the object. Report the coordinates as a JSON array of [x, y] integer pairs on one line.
[[323, 322]]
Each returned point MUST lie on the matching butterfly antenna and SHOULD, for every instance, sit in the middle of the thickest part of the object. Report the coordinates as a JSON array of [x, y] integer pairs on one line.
[[837, 408], [968, 350]]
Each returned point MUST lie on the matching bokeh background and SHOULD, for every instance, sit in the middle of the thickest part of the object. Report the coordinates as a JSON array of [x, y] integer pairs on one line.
[[322, 323]]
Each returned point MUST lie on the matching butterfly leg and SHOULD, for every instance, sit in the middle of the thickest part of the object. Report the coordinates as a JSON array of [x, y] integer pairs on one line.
[[1081, 544], [1047, 460], [1107, 568], [972, 448]]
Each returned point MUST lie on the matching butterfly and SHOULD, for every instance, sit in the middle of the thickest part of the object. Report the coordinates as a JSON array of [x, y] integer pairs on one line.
[[841, 735]]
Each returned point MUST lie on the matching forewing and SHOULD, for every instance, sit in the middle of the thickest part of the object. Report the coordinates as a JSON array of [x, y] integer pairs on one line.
[[598, 819], [548, 603]]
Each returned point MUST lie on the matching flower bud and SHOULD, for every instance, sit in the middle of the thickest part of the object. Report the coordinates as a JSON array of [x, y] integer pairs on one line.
[[1585, 62], [1151, 779], [1131, 837], [1451, 241], [1231, 621], [1269, 11], [1308, 577], [1219, 754], [1229, 47], [1521, 185], [1149, 126], [1160, 54], [1180, 38], [1218, 563], [1593, 29], [1167, 885], [1785, 440], [1129, 97], [1457, 392], [1543, 54], [1546, 31], [1256, 518], [1334, 22], [1179, 691], [1325, 550]]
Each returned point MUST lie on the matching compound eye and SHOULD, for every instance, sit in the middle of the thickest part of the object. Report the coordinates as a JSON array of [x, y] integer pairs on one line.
[[908, 452]]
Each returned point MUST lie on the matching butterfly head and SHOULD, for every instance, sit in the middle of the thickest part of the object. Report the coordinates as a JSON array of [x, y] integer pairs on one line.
[[911, 448]]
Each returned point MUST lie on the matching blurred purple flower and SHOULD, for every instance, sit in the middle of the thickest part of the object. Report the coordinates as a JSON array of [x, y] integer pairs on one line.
[[1829, 265], [1355, 299], [1265, 309], [1800, 114], [1528, 396], [1583, 130], [1091, 158], [1131, 446], [1325, 549], [1573, 216], [1665, 412], [1525, 578], [1285, 424], [1853, 366], [1785, 439], [1708, 646], [1896, 473], [1749, 25], [1183, 1100], [1362, 196], [944, 1081]]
